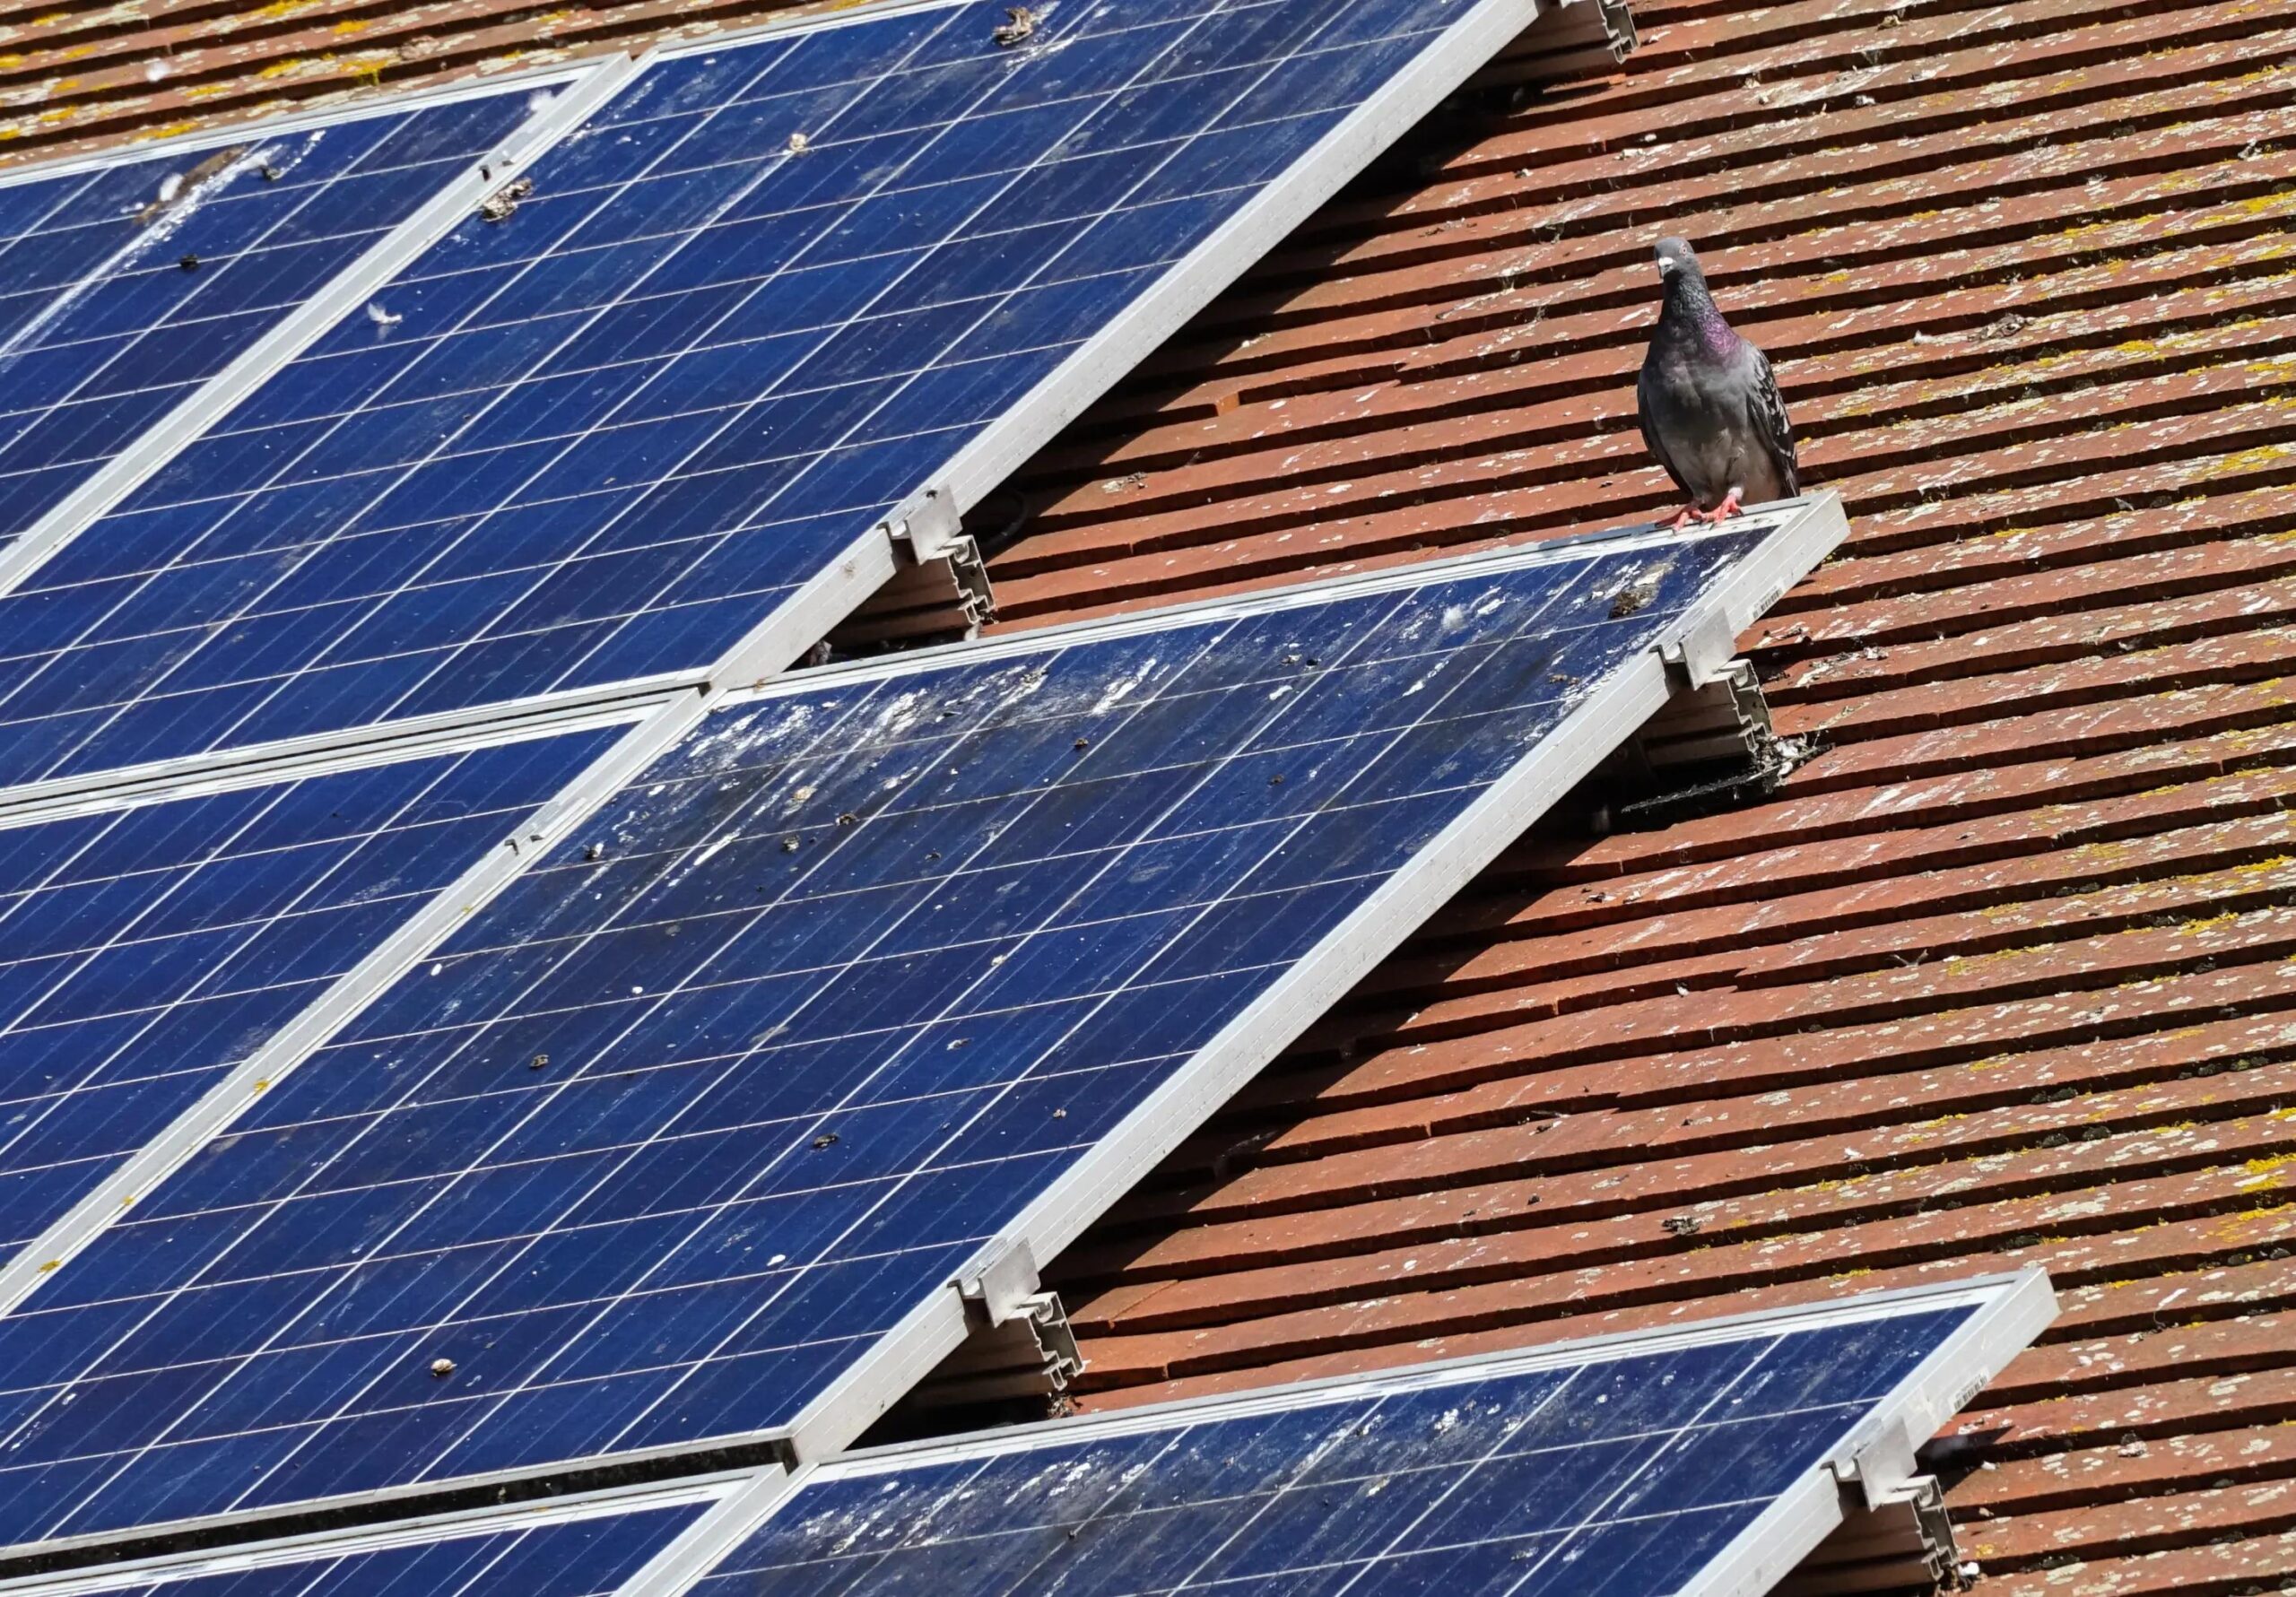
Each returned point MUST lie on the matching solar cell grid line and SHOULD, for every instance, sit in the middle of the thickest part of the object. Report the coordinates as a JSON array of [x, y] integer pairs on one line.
[[146, 950], [764, 300], [582, 756], [1707, 1459], [881, 970], [138, 295], [584, 1547]]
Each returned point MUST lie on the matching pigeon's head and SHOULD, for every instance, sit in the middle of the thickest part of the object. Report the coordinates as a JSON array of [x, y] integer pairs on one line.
[[1677, 259]]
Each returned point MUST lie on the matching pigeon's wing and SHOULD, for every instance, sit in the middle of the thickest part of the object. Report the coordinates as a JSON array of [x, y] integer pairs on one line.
[[1773, 429], [1653, 431]]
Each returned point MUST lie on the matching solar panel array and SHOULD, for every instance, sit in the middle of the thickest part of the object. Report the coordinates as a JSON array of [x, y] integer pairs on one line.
[[145, 951], [1699, 1459], [124, 286], [692, 1115], [442, 1050], [752, 305]]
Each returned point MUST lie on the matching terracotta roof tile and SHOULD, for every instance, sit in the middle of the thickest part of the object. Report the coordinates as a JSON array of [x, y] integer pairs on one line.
[[2006, 974]]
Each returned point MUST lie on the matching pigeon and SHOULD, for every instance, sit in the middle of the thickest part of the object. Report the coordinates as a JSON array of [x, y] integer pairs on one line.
[[1708, 407]]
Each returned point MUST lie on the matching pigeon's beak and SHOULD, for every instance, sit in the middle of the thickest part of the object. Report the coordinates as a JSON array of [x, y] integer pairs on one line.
[[1666, 268]]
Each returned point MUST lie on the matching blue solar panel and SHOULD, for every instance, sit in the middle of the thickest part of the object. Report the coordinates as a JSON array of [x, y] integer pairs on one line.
[[124, 287], [612, 433], [515, 1555], [1624, 1470], [144, 951], [704, 1104]]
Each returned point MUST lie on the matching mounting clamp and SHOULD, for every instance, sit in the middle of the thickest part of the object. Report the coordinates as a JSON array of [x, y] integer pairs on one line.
[[1894, 1535], [1020, 1346], [1002, 1289], [1701, 654], [929, 524], [1878, 1461]]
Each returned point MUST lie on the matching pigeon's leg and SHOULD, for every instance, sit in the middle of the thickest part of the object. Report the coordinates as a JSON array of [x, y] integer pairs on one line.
[[1726, 508], [1688, 514]]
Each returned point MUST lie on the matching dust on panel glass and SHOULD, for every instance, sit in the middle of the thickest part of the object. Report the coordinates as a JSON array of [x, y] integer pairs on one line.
[[603, 429], [144, 951], [125, 286], [670, 1134]]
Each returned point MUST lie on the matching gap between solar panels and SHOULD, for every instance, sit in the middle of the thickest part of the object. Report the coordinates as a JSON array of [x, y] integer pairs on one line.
[[776, 305], [842, 1009], [1707, 1460]]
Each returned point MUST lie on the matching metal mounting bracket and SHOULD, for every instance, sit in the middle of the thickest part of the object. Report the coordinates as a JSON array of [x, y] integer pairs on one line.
[[1894, 1534], [930, 524], [1018, 1345], [924, 601], [1002, 1289], [1566, 40], [1702, 653], [1618, 26], [1879, 1461], [1903, 1544]]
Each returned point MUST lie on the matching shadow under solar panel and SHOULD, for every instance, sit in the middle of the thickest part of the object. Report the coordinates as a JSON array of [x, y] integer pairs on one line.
[[680, 1142], [768, 295]]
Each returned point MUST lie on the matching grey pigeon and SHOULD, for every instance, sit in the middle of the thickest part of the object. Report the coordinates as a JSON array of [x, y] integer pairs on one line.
[[1708, 407]]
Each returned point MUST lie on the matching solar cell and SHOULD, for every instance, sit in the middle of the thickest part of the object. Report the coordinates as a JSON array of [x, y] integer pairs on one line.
[[678, 1141], [144, 951], [126, 284], [583, 1549], [766, 296], [1685, 1462]]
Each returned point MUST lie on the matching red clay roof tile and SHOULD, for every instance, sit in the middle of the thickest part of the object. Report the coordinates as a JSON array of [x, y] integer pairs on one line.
[[2006, 974]]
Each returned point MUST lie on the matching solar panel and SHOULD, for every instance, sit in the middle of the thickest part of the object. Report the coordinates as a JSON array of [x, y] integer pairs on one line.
[[878, 972], [126, 284], [769, 295], [147, 951], [572, 1550], [1707, 1460]]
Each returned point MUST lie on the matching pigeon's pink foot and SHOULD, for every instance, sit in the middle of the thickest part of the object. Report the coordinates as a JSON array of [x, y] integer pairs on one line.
[[1726, 508], [1688, 514]]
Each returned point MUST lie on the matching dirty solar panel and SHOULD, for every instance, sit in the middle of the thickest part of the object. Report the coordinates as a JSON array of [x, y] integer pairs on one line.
[[124, 287], [1621, 1475], [663, 1139], [144, 951], [609, 433], [579, 1557]]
